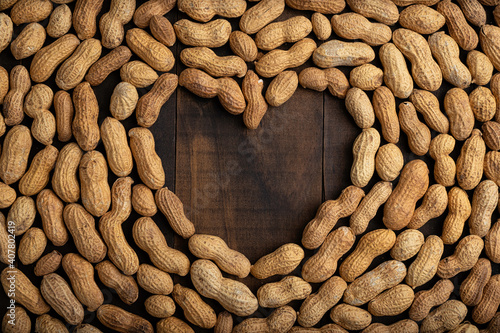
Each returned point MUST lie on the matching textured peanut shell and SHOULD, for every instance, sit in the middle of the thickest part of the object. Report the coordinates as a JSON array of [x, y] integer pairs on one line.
[[206, 59], [487, 307], [26, 293], [407, 245], [396, 74], [95, 191], [392, 302], [490, 43], [422, 19], [425, 300], [149, 105], [154, 280], [320, 79], [85, 127], [147, 10], [37, 176], [243, 45], [160, 306], [143, 200], [457, 25], [282, 261], [484, 202], [256, 108], [480, 67], [459, 210], [444, 168], [111, 62], [162, 30], [446, 317], [23, 212], [471, 289], [123, 100], [7, 195], [321, 26], [364, 148], [405, 325], [277, 294], [281, 88], [224, 323], [336, 53], [492, 243], [124, 285], [389, 162], [425, 266], [281, 320], [48, 324], [483, 104], [120, 320], [369, 206], [139, 74], [384, 11], [258, 16], [492, 166], [491, 134], [27, 11], [463, 259], [278, 33], [384, 106], [31, 246], [212, 34], [321, 6], [419, 135], [350, 317], [60, 297], [473, 11], [4, 89], [85, 16], [470, 161], [64, 112], [154, 53], [111, 23], [13, 102], [22, 322], [366, 77], [356, 26], [64, 179], [171, 206], [49, 263], [195, 309], [39, 97], [28, 42], [173, 324], [359, 106], [15, 152], [428, 105], [6, 29], [60, 21], [433, 205], [118, 152]]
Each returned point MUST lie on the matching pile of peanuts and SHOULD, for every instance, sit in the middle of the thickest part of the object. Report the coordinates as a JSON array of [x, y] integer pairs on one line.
[[80, 192]]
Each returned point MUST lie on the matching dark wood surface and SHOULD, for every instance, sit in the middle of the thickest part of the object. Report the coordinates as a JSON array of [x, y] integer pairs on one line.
[[257, 189]]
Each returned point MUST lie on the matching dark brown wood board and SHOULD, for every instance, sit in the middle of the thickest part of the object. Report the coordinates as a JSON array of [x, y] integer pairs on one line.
[[257, 189]]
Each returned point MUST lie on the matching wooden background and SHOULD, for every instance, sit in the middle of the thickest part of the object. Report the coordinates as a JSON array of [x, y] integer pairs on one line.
[[257, 189]]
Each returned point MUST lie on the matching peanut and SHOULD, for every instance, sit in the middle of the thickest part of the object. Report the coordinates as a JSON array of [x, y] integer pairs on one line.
[[422, 19], [370, 246], [350, 317], [138, 74], [6, 4], [484, 202], [356, 26], [81, 275], [20, 324], [49, 57], [153, 280], [323, 264], [425, 71], [63, 107], [281, 320], [147, 10], [490, 43], [383, 11], [43, 127], [445, 317], [470, 161], [48, 324], [328, 328], [27, 11], [31, 246], [492, 244], [366, 77], [280, 262], [281, 88], [396, 74], [143, 200], [88, 243], [276, 61], [320, 79], [160, 306], [277, 294], [493, 325], [457, 25], [257, 17], [58, 294], [473, 11], [480, 67], [162, 30], [465, 257], [224, 323], [39, 97], [64, 180], [278, 33], [256, 108], [425, 266], [111, 277], [7, 195], [115, 142], [243, 45], [6, 29], [425, 300], [405, 325], [459, 210], [206, 59], [173, 209], [226, 89], [148, 162], [444, 169], [328, 214], [471, 289], [407, 245], [321, 26], [173, 324], [111, 23], [491, 134], [316, 305], [492, 166], [433, 205], [392, 302], [23, 213], [111, 62], [447, 54], [195, 309], [214, 248], [4, 238], [384, 106], [150, 239], [369, 206], [124, 100], [364, 149], [13, 102], [485, 310], [120, 320], [324, 7], [4, 89], [465, 327], [336, 53], [212, 34], [96, 194], [37, 176], [150, 104], [154, 53], [234, 296], [359, 106], [60, 21], [419, 135], [483, 104], [85, 127], [28, 42], [389, 162], [49, 263], [84, 17]]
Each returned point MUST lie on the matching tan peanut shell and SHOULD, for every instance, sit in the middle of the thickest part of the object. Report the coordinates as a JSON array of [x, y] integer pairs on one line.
[[492, 165], [324, 7], [23, 213], [212, 34], [171, 206], [320, 79], [49, 57], [483, 104], [31, 246], [123, 100], [26, 293], [370, 246], [256, 108], [356, 26], [85, 128], [328, 214], [195, 309], [278, 33], [7, 195], [490, 43], [447, 53], [445, 317], [405, 325], [118, 152], [470, 161], [433, 205], [39, 97], [64, 112], [27, 11], [366, 77], [480, 67], [46, 323], [148, 9], [457, 25], [459, 210], [111, 62], [392, 302], [243, 45], [139, 74], [7, 29], [28, 42], [282, 87], [458, 110], [233, 295], [359, 106], [4, 89], [419, 135], [224, 323], [384, 106], [162, 30], [257, 17], [425, 70], [13, 102], [365, 288], [281, 320], [277, 294], [484, 202], [425, 300], [369, 206], [81, 275], [444, 168], [206, 59], [331, 328], [154, 280], [111, 23], [473, 11], [89, 244], [149, 105], [84, 17], [407, 244], [383, 11], [150, 239], [364, 148], [214, 248], [95, 191], [148, 162], [173, 324], [492, 243], [43, 127], [64, 179], [491, 134], [60, 21], [21, 323], [276, 61], [120, 320], [396, 74], [160, 306], [282, 261], [323, 264], [389, 162], [336, 53], [463, 259], [125, 285], [37, 176], [412, 185], [422, 19], [143, 200], [425, 266], [58, 294], [15, 152], [485, 310], [471, 289], [350, 317], [321, 26], [47, 264]]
